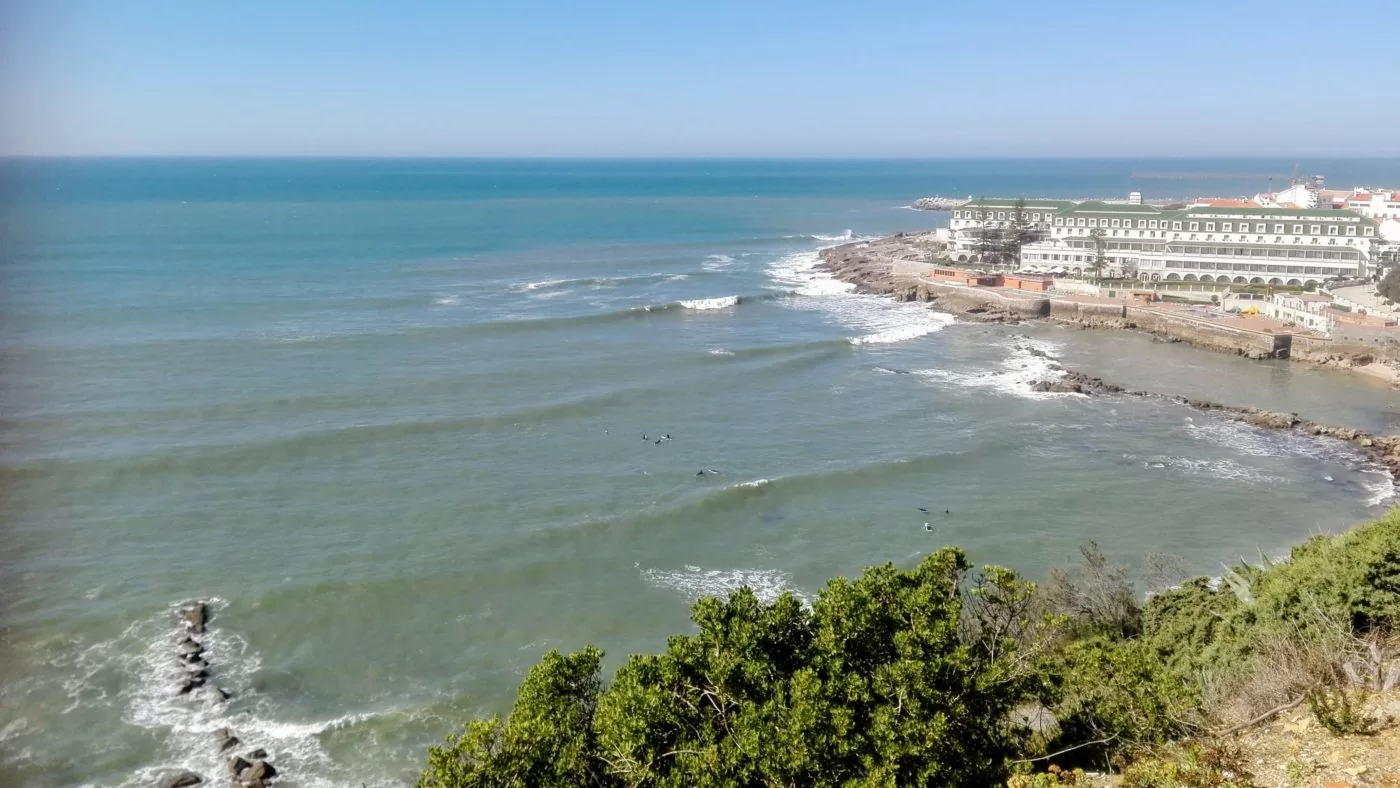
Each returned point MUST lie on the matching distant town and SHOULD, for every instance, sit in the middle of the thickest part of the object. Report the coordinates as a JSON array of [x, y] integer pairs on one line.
[[1312, 259]]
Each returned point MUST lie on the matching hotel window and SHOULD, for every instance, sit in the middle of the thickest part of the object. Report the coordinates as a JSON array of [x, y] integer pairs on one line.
[[1259, 228], [1226, 227], [1351, 231], [1176, 225], [1332, 230], [1278, 228], [1001, 214], [1059, 222], [1210, 226], [1297, 229], [1115, 222], [1316, 229], [1195, 226], [1152, 224], [1370, 231]]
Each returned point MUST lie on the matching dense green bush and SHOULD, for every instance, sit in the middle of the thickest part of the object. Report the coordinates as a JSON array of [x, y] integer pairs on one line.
[[910, 677], [874, 685]]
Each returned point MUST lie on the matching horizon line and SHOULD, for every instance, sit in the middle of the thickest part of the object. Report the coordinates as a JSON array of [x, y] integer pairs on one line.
[[686, 157]]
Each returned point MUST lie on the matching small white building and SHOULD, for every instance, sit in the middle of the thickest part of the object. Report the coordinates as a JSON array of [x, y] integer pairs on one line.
[[1378, 204], [1305, 310]]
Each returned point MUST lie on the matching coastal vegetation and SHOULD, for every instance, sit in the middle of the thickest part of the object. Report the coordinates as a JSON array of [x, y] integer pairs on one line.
[[942, 674], [1389, 286]]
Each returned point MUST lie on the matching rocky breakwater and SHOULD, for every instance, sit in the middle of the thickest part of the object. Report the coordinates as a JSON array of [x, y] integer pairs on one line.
[[251, 770], [872, 267], [1384, 450], [937, 204]]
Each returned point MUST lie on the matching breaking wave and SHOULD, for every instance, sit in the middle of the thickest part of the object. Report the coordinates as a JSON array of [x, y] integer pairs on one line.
[[881, 320], [1031, 360], [694, 582], [703, 304]]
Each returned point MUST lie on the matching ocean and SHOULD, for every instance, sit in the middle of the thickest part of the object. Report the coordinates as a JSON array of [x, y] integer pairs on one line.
[[398, 421]]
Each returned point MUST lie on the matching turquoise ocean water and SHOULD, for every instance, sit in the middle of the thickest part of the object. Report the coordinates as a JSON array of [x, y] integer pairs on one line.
[[388, 416]]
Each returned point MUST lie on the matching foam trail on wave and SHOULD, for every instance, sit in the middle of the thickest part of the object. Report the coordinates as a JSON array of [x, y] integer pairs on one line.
[[880, 320], [1030, 361], [694, 582], [705, 304], [1382, 489]]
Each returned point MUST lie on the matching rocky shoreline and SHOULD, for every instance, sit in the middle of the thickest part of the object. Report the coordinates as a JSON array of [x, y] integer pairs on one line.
[[871, 267], [1384, 450]]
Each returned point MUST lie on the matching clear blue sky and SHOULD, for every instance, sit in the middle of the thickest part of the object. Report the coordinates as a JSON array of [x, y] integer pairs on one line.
[[722, 78]]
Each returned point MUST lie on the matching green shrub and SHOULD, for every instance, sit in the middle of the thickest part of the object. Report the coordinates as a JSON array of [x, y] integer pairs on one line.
[[1189, 765], [873, 685], [1341, 711], [1117, 694]]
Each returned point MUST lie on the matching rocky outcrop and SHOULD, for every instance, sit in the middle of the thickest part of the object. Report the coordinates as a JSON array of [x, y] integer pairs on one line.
[[937, 204], [180, 780], [1076, 383], [1384, 450], [194, 616]]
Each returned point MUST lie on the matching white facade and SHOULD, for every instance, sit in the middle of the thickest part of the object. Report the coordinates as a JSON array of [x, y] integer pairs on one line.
[[1378, 205], [1211, 244], [965, 223]]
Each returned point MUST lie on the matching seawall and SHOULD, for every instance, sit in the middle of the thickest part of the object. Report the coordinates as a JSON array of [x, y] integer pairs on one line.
[[885, 267]]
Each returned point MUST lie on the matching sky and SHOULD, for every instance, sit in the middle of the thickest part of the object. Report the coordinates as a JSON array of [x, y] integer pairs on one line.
[[879, 78]]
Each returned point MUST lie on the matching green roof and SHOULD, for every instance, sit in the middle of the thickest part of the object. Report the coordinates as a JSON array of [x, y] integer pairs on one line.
[[1279, 213], [1094, 206], [1003, 202]]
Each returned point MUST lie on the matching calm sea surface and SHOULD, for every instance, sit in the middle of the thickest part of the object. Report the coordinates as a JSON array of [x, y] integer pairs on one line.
[[388, 416]]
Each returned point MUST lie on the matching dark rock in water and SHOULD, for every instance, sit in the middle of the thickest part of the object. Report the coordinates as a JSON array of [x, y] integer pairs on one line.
[[198, 675], [258, 755], [180, 780], [191, 648], [262, 770], [220, 695], [195, 616], [236, 765], [1038, 353], [226, 739]]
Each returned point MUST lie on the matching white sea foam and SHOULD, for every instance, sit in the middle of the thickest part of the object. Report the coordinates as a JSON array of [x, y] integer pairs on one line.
[[448, 300], [717, 262], [895, 335], [880, 320], [845, 236], [719, 351], [677, 277], [705, 304], [1014, 375], [144, 655], [693, 582], [755, 483], [549, 294], [1382, 489], [1215, 468], [1258, 442], [544, 283]]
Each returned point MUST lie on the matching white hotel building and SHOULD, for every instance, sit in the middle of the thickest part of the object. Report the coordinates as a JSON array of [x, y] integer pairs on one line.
[[1215, 241]]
